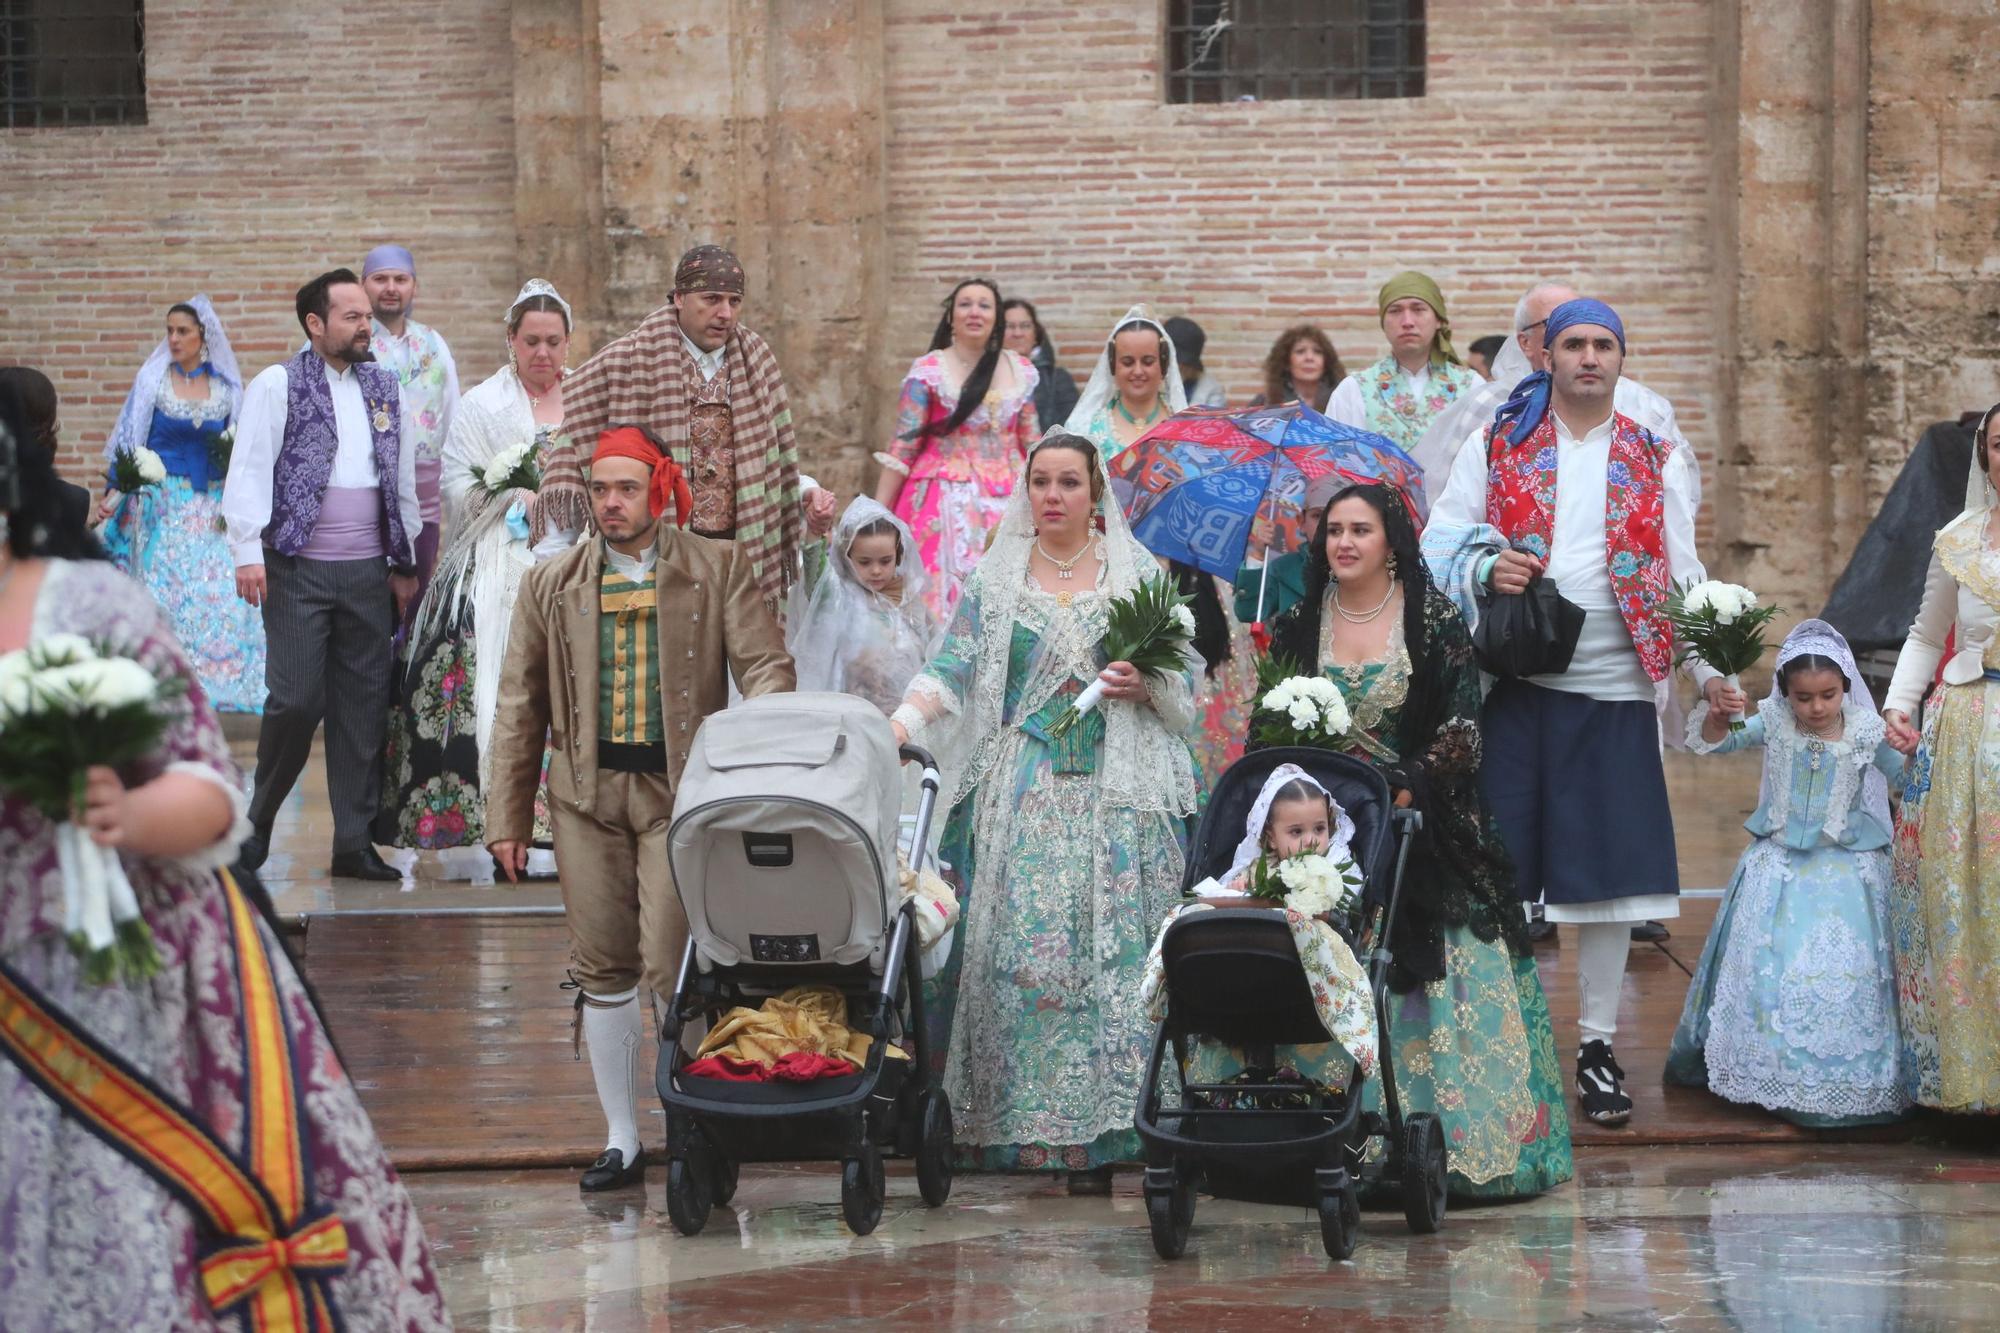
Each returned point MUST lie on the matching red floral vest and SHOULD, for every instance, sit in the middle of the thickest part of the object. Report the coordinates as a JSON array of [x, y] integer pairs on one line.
[[1521, 502]]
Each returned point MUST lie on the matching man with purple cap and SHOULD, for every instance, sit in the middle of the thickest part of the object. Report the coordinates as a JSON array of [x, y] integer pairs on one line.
[[1569, 489], [711, 391], [421, 362], [322, 515]]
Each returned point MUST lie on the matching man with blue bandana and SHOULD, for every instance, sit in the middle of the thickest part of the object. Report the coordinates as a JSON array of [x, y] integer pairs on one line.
[[1569, 489]]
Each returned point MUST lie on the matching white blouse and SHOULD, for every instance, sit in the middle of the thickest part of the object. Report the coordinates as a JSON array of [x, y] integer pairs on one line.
[[1948, 603]]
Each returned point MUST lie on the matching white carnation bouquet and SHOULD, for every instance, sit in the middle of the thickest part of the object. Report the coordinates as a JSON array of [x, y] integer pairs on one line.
[[1306, 710], [1722, 624], [1150, 627], [513, 469], [1310, 883], [135, 468], [67, 704]]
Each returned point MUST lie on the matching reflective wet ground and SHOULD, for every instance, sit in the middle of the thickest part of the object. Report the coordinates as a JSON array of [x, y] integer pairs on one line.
[[1751, 1237]]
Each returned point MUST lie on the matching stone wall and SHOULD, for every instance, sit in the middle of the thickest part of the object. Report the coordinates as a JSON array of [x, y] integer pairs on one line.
[[281, 140]]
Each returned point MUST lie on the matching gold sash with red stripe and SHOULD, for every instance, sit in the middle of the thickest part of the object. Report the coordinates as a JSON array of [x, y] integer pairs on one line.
[[270, 1248]]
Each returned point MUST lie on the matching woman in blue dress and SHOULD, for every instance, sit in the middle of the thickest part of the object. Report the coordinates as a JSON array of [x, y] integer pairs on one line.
[[1793, 1005], [169, 536]]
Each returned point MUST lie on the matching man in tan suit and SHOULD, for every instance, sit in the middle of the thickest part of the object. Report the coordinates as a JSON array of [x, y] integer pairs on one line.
[[618, 650]]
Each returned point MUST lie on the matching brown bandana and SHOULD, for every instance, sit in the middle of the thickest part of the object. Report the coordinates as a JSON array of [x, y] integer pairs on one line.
[[708, 268]]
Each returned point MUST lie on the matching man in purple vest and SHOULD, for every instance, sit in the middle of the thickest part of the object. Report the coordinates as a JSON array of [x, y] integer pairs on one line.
[[321, 506]]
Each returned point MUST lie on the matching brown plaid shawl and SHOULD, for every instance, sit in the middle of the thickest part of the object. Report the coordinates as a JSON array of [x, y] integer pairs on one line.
[[640, 379]]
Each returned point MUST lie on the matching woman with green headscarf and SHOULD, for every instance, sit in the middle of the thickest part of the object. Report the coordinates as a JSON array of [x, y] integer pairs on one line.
[[1399, 395]]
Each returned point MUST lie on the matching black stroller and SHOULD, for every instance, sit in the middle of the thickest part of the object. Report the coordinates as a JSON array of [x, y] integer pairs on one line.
[[783, 850], [1233, 975]]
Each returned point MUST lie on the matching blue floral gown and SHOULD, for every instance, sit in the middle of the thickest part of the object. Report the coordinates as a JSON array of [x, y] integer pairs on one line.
[[1038, 1014], [1793, 1005], [170, 538]]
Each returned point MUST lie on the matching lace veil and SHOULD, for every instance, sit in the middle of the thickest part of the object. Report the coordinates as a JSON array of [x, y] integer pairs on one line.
[[956, 707], [1252, 846], [849, 640], [1979, 493], [135, 419], [1103, 386]]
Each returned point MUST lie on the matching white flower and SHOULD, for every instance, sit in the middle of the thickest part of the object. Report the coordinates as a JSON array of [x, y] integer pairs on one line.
[[97, 685], [1185, 619], [54, 650], [1304, 716], [1333, 713], [1727, 600], [505, 464], [151, 470], [1318, 882], [16, 685]]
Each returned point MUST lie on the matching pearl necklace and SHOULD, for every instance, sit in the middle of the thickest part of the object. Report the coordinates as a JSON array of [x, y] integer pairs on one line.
[[1066, 569], [1363, 617]]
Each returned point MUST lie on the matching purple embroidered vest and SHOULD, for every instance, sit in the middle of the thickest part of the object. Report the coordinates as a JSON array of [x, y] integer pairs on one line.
[[305, 460]]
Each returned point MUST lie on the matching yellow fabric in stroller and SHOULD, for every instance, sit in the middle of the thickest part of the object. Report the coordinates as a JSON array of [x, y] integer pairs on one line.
[[812, 1019]]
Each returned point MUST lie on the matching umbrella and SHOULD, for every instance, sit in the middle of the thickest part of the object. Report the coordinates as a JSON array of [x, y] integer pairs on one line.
[[1208, 485]]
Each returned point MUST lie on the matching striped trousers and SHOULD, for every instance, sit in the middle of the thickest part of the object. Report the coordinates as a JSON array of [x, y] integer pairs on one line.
[[328, 626]]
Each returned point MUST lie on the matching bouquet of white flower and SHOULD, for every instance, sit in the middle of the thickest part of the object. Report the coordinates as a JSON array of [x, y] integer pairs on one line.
[[1722, 624], [1310, 883], [1151, 628], [1305, 710], [136, 468], [513, 469], [65, 705]]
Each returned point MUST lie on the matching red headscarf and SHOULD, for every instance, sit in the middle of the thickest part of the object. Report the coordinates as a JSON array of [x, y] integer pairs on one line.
[[669, 483]]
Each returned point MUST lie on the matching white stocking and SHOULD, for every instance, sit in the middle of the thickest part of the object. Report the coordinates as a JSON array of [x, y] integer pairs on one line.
[[612, 1026], [1600, 976]]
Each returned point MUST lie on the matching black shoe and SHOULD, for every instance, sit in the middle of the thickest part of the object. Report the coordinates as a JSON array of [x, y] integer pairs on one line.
[[609, 1172], [255, 848], [364, 864], [1600, 1087], [1649, 932], [1540, 930]]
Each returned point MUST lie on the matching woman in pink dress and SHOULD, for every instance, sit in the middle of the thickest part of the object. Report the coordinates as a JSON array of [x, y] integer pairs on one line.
[[963, 427]]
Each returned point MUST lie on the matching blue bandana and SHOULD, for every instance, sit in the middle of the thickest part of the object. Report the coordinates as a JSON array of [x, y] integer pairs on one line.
[[1521, 415]]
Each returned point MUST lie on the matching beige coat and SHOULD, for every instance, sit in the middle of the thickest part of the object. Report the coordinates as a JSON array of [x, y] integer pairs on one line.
[[712, 620]]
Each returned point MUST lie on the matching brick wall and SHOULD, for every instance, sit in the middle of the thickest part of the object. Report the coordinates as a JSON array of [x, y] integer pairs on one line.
[[1562, 138], [282, 139]]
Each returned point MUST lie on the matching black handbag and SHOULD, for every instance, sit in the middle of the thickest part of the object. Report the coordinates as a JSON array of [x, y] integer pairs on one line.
[[1530, 633]]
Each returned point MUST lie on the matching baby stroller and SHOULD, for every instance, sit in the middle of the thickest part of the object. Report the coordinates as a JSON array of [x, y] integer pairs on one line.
[[783, 850], [1233, 975]]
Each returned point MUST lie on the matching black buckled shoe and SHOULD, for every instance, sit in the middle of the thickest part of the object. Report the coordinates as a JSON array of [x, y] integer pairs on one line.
[[364, 864], [1650, 932], [609, 1172], [250, 856], [1600, 1086]]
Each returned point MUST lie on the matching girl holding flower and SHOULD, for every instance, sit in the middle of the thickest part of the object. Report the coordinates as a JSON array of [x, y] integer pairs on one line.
[[1468, 1022], [1066, 835]]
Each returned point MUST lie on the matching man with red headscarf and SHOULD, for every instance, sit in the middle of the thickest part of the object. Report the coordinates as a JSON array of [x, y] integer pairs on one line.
[[619, 648]]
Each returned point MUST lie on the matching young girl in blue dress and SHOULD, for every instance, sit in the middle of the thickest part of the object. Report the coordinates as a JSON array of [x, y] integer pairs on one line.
[[1793, 1006]]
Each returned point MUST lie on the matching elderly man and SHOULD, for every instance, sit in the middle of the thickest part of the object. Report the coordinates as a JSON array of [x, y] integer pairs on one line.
[[321, 508], [421, 362], [711, 391], [1565, 486], [1400, 395], [619, 648]]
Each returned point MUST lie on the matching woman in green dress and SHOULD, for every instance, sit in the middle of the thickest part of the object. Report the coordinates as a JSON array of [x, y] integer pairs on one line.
[[1468, 1023], [1067, 846]]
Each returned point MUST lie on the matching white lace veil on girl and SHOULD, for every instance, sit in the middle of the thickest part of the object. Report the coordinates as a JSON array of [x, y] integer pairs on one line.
[[1864, 731], [1252, 846], [849, 640], [1097, 394], [135, 419], [1145, 766]]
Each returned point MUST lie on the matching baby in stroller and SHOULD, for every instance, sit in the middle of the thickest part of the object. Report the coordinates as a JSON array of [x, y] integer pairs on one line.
[[1272, 1019]]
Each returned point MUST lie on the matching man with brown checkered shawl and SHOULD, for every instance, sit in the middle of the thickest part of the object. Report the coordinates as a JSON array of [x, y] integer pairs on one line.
[[711, 391]]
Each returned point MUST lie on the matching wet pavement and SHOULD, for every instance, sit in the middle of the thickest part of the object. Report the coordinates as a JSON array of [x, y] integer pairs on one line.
[[1752, 1237]]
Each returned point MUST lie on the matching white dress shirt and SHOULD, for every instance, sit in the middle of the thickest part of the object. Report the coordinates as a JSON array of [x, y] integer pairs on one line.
[[1606, 665], [260, 435], [638, 568], [709, 362], [1349, 408]]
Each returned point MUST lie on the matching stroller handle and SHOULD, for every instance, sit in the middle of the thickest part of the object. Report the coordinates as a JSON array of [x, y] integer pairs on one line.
[[917, 754]]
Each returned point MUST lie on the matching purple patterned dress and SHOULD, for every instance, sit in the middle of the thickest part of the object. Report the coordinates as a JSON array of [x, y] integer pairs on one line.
[[88, 1240]]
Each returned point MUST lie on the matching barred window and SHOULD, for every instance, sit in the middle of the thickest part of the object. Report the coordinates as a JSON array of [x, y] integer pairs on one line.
[[72, 62], [1274, 50]]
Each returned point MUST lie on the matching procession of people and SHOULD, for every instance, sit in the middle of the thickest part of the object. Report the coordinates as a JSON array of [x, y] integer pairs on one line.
[[511, 610]]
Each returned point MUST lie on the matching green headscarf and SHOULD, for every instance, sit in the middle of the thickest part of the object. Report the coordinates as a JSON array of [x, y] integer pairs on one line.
[[1412, 283]]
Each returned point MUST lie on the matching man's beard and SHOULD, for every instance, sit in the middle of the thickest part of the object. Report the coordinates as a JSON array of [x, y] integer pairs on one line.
[[359, 350]]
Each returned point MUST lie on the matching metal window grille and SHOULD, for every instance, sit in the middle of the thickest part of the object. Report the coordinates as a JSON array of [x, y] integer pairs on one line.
[[72, 62], [1277, 50]]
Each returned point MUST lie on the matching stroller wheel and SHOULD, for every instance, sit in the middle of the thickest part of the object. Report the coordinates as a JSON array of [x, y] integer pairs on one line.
[[688, 1198], [934, 1147], [1340, 1220], [722, 1178], [1170, 1213], [861, 1190], [1424, 1173]]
